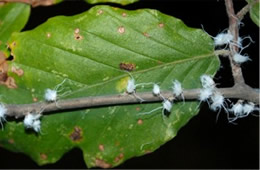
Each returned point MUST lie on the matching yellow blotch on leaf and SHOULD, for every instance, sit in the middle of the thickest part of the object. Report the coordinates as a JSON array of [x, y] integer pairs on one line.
[[121, 84]]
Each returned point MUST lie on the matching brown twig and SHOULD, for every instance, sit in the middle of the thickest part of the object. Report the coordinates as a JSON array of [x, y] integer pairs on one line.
[[20, 110], [245, 10], [233, 28], [33, 3]]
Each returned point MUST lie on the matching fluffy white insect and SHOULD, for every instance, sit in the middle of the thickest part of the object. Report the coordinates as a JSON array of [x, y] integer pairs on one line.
[[237, 109], [177, 89], [223, 39], [207, 82], [32, 121], [218, 102], [239, 59], [131, 86], [167, 105], [51, 95], [3, 112], [156, 89], [205, 94], [248, 108]]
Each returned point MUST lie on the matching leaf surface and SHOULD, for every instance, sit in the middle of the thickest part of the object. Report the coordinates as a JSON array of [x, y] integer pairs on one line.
[[87, 50], [254, 13], [13, 17]]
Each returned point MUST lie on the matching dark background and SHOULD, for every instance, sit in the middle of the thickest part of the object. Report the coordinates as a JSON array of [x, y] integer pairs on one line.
[[203, 142]]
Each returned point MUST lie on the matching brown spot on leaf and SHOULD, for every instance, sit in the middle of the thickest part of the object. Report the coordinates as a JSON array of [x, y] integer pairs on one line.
[[76, 31], [119, 157], [161, 25], [140, 121], [127, 66], [77, 36], [13, 43], [101, 147], [4, 79], [3, 68], [147, 151], [137, 108], [124, 14], [101, 163], [43, 156], [48, 35], [10, 83], [35, 99], [100, 12], [76, 135], [121, 30], [17, 71], [11, 141], [146, 34]]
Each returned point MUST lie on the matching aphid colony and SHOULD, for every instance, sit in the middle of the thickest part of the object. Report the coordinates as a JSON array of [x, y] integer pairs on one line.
[[225, 38], [32, 119], [208, 93]]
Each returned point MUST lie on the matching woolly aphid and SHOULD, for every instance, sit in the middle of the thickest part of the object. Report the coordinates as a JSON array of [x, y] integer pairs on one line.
[[157, 91], [207, 82], [223, 39], [3, 112], [218, 102], [241, 110], [205, 94], [51, 95], [131, 87], [238, 58], [32, 121], [177, 89], [166, 105]]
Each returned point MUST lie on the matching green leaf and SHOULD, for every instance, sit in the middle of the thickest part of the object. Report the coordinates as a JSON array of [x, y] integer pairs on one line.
[[122, 2], [13, 17], [254, 13], [87, 50]]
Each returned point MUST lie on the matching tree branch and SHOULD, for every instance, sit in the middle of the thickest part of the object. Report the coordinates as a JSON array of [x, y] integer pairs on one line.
[[33, 3], [233, 28], [240, 15], [240, 92]]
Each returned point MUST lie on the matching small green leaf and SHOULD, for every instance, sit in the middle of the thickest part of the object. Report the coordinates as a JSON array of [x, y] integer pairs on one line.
[[88, 50], [254, 13], [13, 17], [122, 2]]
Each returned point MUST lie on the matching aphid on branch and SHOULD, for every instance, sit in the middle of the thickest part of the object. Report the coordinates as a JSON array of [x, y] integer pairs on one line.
[[32, 121], [51, 95], [207, 82], [157, 91], [177, 89], [131, 87], [3, 111]]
